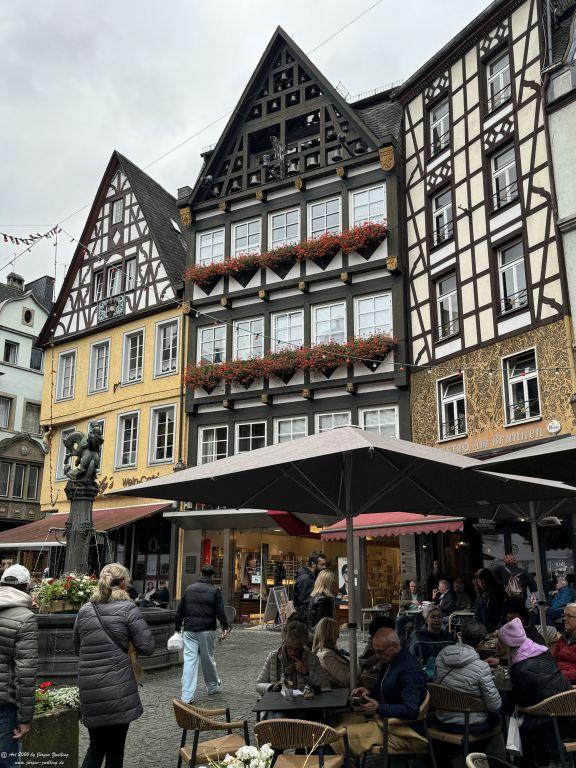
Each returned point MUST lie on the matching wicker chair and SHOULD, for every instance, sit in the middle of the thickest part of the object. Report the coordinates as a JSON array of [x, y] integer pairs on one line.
[[480, 760], [442, 697], [559, 705], [285, 734], [191, 718]]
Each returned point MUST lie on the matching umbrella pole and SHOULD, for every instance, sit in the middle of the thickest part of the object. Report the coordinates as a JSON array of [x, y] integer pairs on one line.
[[538, 563], [352, 585]]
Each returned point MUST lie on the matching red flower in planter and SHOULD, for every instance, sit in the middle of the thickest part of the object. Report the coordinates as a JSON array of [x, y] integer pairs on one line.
[[45, 685]]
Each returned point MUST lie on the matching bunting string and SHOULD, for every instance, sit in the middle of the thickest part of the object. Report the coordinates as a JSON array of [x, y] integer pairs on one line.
[[29, 239]]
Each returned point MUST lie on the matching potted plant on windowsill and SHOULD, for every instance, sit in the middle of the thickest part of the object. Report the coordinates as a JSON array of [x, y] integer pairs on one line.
[[55, 728]]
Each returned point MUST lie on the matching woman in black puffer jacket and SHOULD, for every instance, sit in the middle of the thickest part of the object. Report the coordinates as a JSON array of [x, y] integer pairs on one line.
[[322, 603], [107, 628]]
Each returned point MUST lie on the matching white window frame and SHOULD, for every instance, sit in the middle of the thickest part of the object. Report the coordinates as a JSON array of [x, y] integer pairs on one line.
[[201, 431], [319, 232], [440, 143], [98, 280], [357, 301], [445, 402], [130, 273], [93, 372], [315, 309], [153, 429], [126, 380], [9, 479], [114, 280], [290, 420], [62, 453], [60, 393], [250, 424], [318, 417], [272, 243], [442, 225], [14, 467], [512, 301], [278, 345], [452, 299], [28, 403], [16, 347], [117, 205], [508, 383], [373, 218], [255, 337], [209, 234], [9, 400], [377, 408], [502, 195], [503, 90], [160, 326], [200, 333], [236, 251], [121, 418]]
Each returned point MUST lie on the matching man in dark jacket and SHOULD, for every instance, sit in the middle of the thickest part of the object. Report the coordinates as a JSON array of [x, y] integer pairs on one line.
[[445, 598], [517, 582], [200, 607], [18, 661], [305, 579]]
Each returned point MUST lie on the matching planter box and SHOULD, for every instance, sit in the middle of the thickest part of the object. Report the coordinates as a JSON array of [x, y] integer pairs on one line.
[[54, 736]]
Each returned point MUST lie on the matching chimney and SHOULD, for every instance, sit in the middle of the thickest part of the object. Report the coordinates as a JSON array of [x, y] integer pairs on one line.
[[15, 281]]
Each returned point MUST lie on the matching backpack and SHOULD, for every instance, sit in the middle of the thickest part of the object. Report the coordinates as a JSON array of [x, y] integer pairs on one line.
[[514, 586]]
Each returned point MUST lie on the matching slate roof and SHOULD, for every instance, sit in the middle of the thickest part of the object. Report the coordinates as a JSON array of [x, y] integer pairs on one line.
[[9, 292], [563, 15], [382, 114]]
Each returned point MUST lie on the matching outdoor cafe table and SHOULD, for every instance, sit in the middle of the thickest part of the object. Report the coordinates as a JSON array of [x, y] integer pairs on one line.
[[327, 701]]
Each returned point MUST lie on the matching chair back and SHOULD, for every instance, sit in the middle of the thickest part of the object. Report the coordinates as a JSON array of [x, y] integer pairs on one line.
[[191, 719], [442, 697], [559, 705], [230, 613], [477, 760], [550, 634], [295, 734]]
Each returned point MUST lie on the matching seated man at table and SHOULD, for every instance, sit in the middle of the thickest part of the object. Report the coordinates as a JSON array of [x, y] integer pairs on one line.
[[426, 643], [565, 649], [398, 693], [445, 598], [410, 600], [368, 661]]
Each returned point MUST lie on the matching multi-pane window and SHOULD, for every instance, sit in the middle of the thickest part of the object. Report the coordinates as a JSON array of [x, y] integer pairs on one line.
[[373, 315], [382, 421], [324, 216], [133, 357], [11, 352], [212, 344], [127, 445], [442, 217], [36, 356], [66, 375], [327, 421], [212, 444], [447, 306], [210, 247], [99, 366], [162, 434], [498, 80], [248, 338], [521, 387], [247, 237], [329, 323], [5, 405], [439, 127], [117, 211], [99, 423], [250, 436], [166, 350], [129, 274], [504, 178], [114, 283], [32, 418], [288, 330], [62, 453], [284, 227], [5, 468], [512, 270], [368, 205], [32, 484], [18, 481], [98, 285], [452, 408], [289, 429]]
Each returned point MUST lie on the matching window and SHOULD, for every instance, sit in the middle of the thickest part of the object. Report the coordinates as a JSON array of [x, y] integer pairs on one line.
[[247, 237], [212, 444], [127, 445], [288, 330], [442, 220], [250, 436], [498, 81], [210, 246], [212, 344], [166, 351], [511, 266], [117, 211], [32, 418], [284, 228], [18, 482], [248, 340], [382, 421], [32, 484], [100, 424], [439, 127], [162, 434], [324, 217], [132, 367], [327, 421], [129, 274], [504, 181], [4, 477], [99, 366], [114, 281], [98, 285], [36, 356], [5, 405], [447, 307], [66, 375], [11, 352], [329, 323], [286, 430], [521, 387], [373, 315], [61, 463], [369, 205], [452, 408]]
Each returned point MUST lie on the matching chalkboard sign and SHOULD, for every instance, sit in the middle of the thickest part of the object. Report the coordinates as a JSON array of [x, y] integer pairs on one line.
[[276, 605]]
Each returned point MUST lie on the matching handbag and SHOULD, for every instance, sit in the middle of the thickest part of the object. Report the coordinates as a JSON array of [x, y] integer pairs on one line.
[[175, 642], [130, 652], [514, 741]]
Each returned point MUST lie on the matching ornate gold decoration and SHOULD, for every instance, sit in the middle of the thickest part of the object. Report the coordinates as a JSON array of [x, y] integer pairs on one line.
[[387, 159], [223, 205], [260, 195], [225, 302], [303, 286], [265, 398], [307, 394], [341, 172], [299, 183], [229, 404], [346, 277], [263, 294], [351, 388], [186, 216], [392, 264]]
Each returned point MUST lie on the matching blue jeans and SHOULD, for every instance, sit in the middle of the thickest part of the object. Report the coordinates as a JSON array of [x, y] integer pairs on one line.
[[199, 645], [9, 747]]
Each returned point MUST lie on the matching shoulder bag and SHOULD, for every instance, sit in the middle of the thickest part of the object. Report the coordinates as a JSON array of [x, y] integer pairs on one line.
[[130, 652]]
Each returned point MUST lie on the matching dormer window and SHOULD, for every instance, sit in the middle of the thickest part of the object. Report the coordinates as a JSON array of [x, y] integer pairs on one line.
[[117, 211]]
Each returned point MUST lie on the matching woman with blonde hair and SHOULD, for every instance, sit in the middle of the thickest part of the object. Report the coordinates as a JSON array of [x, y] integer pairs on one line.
[[322, 603], [331, 659], [108, 633]]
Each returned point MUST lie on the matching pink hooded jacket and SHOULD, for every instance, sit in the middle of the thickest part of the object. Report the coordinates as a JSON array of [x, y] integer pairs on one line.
[[514, 637]]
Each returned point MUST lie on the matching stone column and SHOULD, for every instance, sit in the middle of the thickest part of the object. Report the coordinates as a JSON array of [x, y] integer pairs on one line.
[[79, 528]]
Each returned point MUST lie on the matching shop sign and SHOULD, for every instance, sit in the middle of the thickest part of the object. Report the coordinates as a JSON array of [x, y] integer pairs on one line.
[[107, 482], [501, 439]]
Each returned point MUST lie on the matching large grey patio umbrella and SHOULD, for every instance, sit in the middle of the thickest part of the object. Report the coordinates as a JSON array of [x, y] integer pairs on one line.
[[346, 472]]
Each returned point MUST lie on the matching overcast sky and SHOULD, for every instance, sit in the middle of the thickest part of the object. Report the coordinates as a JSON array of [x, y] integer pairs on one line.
[[80, 78]]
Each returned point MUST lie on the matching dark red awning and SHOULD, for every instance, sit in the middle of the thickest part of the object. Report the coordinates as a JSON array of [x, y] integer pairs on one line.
[[393, 524]]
